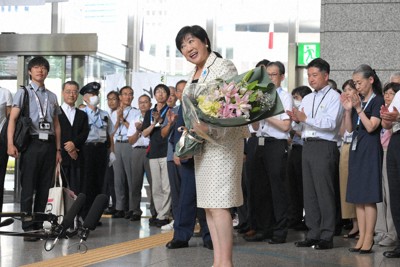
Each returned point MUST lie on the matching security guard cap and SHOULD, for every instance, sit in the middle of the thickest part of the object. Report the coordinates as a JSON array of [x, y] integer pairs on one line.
[[92, 87]]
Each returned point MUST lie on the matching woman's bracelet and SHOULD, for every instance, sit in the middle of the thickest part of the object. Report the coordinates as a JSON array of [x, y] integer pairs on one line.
[[358, 112]]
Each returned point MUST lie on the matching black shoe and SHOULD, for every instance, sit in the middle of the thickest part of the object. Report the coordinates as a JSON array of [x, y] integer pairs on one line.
[[277, 240], [367, 251], [208, 244], [110, 211], [306, 243], [323, 244], [197, 234], [136, 217], [392, 253], [258, 237], [162, 222], [153, 222], [243, 230], [118, 214], [128, 215], [174, 244], [354, 249]]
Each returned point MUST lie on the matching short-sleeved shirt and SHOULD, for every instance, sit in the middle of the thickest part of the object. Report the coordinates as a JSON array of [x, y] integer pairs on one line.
[[142, 141], [128, 114], [100, 125], [5, 101], [158, 145], [43, 105]]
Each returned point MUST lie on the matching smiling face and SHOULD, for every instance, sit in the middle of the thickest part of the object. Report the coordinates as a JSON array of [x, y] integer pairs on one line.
[[70, 94], [194, 50]]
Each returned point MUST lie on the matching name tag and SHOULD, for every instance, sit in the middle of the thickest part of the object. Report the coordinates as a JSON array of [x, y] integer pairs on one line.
[[102, 133], [43, 136], [309, 132], [261, 141]]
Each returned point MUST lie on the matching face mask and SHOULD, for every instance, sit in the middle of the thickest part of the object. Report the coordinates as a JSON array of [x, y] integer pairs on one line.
[[296, 103], [94, 100]]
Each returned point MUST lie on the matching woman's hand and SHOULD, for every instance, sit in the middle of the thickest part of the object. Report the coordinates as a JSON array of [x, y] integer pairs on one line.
[[356, 102], [346, 102]]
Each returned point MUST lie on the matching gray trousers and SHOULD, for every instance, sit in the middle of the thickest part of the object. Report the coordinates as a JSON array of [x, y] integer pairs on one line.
[[140, 164], [160, 187], [320, 165], [123, 169]]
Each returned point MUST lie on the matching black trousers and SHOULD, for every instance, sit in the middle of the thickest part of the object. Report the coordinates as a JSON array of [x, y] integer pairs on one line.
[[393, 171], [3, 169], [295, 185], [250, 180], [274, 159], [95, 162], [37, 167]]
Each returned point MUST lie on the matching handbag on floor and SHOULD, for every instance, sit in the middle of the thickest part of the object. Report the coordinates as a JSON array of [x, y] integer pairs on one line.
[[55, 200]]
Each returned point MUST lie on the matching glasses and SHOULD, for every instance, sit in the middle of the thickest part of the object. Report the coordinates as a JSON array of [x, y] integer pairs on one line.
[[273, 74], [71, 92], [389, 93]]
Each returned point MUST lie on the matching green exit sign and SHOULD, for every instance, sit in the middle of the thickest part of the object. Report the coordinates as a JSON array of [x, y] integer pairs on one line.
[[307, 52]]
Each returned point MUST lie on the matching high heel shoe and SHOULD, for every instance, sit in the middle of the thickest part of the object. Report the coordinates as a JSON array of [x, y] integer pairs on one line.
[[354, 249], [353, 235], [367, 251]]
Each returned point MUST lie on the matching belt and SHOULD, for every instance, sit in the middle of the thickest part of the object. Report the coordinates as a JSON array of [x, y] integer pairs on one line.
[[313, 139], [94, 143], [50, 138], [122, 141], [141, 147]]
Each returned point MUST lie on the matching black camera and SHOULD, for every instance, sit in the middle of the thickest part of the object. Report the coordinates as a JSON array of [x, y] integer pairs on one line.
[[44, 126]]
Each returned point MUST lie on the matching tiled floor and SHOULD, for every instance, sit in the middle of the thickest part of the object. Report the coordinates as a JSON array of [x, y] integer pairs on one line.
[[16, 252]]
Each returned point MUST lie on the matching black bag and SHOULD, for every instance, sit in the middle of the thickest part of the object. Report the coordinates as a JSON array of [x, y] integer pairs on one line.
[[22, 126]]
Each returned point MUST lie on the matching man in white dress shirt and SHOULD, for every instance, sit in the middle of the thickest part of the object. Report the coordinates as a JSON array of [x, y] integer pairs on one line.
[[320, 114], [140, 162], [273, 144], [123, 169]]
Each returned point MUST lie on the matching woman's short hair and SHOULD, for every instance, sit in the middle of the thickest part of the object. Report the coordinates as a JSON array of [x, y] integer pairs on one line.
[[194, 30]]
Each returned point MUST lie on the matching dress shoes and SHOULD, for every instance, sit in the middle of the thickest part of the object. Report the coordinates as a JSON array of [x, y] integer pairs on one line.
[[250, 233], [118, 214], [392, 253], [135, 217], [128, 215], [110, 211], [174, 244], [353, 235], [306, 243], [258, 237], [354, 249], [243, 230], [324, 244], [208, 244], [276, 240], [161, 223], [367, 251]]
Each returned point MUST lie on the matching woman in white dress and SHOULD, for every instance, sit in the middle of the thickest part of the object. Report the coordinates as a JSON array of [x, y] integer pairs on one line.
[[218, 169]]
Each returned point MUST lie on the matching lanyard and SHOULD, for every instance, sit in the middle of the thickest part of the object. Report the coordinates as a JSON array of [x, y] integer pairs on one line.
[[366, 105], [162, 114], [312, 113], [42, 110], [93, 122], [120, 129]]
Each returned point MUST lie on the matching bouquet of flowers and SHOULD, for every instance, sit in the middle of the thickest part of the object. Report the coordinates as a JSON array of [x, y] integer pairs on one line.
[[239, 101]]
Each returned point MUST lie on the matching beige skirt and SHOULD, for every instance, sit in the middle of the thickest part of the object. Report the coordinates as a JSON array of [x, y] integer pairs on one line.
[[348, 209]]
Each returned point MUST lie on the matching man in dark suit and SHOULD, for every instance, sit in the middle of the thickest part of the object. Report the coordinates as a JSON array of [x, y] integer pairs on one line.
[[74, 132]]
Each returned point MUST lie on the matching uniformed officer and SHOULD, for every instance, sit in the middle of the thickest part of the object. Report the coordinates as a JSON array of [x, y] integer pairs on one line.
[[95, 150]]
